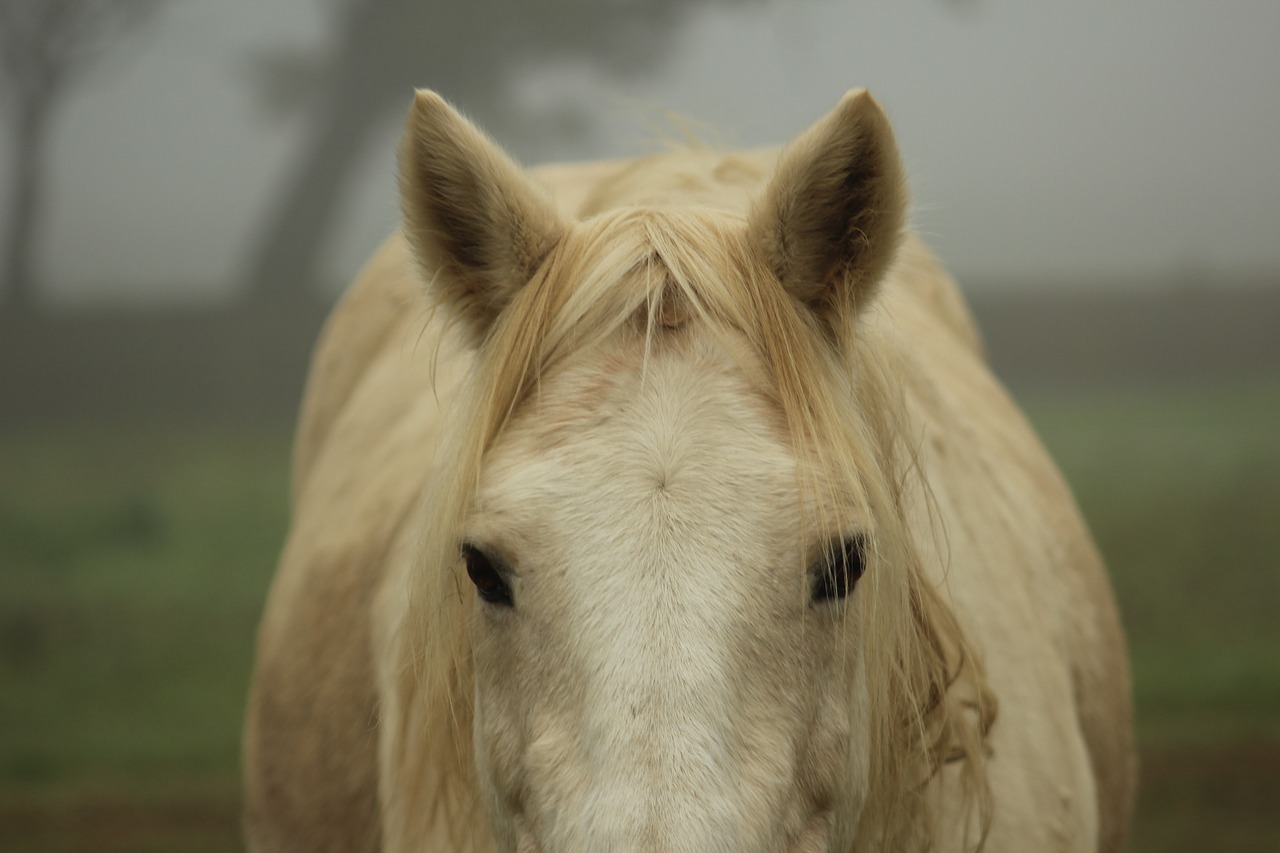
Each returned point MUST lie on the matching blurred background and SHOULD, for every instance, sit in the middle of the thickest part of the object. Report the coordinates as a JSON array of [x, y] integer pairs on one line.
[[185, 188]]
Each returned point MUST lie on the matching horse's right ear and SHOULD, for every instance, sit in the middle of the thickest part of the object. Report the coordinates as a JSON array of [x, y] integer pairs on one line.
[[478, 226]]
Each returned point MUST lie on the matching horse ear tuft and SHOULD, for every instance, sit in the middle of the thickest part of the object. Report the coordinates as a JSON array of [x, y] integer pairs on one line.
[[831, 219], [477, 225]]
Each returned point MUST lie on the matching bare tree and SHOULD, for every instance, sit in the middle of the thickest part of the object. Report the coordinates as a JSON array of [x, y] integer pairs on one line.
[[383, 48], [45, 45]]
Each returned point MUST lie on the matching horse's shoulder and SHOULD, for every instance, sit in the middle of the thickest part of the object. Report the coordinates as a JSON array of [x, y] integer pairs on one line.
[[354, 483]]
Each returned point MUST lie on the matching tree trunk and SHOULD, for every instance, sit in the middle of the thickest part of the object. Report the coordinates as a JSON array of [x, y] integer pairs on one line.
[[25, 202], [283, 263]]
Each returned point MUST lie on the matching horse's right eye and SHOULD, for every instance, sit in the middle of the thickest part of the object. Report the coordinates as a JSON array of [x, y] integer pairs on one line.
[[485, 574]]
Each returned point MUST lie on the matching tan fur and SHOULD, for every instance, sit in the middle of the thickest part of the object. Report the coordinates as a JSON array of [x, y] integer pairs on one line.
[[660, 337]]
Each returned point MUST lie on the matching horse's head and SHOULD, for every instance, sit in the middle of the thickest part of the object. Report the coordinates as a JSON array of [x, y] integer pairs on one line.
[[671, 522]]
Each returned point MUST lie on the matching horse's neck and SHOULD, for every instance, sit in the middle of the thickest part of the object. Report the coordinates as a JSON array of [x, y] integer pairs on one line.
[[570, 184], [688, 177]]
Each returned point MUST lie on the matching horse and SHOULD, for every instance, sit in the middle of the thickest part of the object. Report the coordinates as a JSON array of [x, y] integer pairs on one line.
[[670, 504]]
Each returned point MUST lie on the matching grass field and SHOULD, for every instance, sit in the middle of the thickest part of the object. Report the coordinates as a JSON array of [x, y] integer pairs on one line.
[[1182, 490], [134, 560]]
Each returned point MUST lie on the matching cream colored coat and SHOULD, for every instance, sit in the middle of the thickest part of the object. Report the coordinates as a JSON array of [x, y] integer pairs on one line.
[[331, 748]]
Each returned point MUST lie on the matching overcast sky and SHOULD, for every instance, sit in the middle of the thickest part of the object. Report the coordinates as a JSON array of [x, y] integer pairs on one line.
[[1067, 140]]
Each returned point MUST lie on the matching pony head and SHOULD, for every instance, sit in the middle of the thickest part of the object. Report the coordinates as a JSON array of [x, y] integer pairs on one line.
[[668, 597]]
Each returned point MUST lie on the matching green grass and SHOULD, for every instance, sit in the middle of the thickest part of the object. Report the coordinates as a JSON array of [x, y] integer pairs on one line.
[[1182, 490], [134, 562], [135, 566]]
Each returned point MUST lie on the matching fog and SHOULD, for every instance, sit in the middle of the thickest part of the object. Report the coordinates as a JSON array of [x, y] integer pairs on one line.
[[1067, 142]]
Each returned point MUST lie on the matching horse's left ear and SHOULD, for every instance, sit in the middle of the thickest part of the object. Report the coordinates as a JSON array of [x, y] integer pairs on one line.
[[832, 217], [478, 226]]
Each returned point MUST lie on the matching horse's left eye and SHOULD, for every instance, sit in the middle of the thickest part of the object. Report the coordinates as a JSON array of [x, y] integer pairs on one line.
[[483, 571], [834, 575]]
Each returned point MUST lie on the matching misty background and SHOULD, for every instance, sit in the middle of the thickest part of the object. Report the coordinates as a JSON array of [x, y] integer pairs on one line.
[[211, 145], [186, 187]]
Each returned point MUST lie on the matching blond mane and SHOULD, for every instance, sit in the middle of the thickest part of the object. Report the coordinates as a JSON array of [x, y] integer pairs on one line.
[[649, 268]]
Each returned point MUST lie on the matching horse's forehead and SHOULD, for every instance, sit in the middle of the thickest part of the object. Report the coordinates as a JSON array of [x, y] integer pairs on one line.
[[682, 414], [567, 404], [637, 383]]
